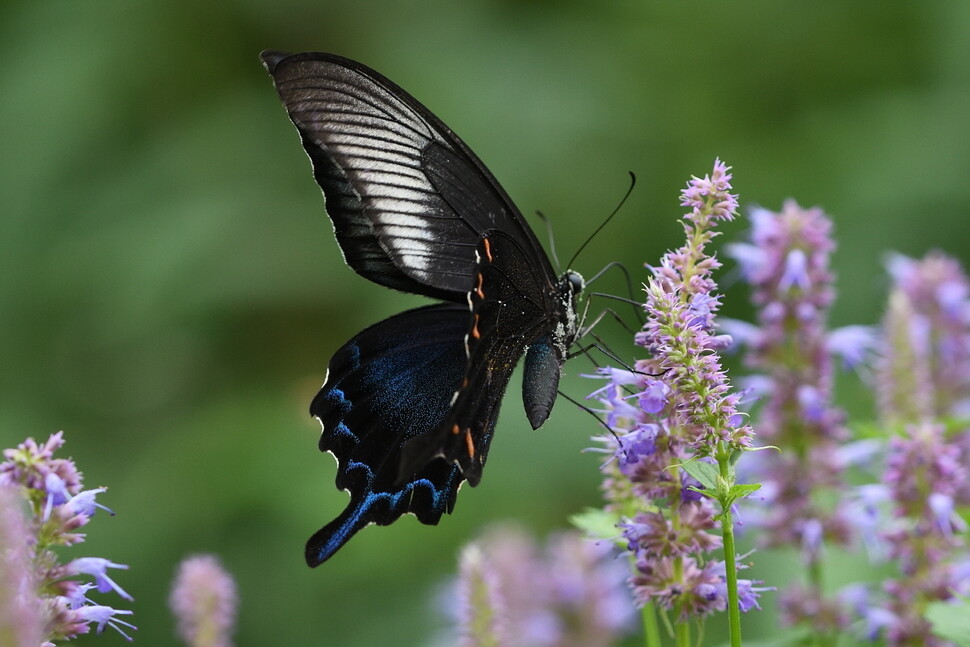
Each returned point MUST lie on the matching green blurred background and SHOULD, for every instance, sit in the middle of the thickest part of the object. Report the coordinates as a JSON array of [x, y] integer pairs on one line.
[[171, 291]]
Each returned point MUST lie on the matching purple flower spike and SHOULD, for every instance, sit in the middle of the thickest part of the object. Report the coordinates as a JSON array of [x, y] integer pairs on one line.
[[792, 288], [20, 607], [927, 327], [514, 592], [52, 490], [482, 609], [204, 600], [678, 407]]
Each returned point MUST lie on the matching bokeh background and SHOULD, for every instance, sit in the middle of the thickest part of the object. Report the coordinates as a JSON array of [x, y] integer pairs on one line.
[[170, 291]]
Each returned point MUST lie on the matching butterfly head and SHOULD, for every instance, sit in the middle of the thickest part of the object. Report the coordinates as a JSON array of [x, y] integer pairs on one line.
[[575, 281]]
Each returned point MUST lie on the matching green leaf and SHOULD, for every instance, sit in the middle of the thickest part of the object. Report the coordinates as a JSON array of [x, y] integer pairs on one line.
[[596, 523], [741, 490], [704, 472], [951, 621]]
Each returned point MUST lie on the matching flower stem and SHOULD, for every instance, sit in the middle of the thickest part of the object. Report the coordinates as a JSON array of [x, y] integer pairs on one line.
[[651, 630], [730, 557], [683, 633]]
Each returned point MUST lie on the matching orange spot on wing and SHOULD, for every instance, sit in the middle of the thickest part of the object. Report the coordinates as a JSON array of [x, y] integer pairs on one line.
[[455, 429], [478, 288], [475, 333], [488, 249], [470, 443]]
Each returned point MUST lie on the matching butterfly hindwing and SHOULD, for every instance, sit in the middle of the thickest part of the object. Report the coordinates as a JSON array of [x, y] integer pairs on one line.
[[390, 383]]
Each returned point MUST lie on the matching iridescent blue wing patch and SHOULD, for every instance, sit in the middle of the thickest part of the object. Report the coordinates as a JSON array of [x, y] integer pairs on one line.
[[389, 384]]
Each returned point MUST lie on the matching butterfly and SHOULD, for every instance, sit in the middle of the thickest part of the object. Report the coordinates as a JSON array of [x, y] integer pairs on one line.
[[409, 405]]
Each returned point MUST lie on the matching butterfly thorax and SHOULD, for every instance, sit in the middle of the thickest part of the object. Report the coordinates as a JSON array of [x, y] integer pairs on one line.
[[569, 286]]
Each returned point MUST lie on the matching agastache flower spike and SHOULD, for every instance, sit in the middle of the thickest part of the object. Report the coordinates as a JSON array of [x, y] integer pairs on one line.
[[204, 600], [923, 383], [939, 293], [512, 592], [787, 264], [52, 488], [922, 475], [685, 412], [21, 618], [483, 613]]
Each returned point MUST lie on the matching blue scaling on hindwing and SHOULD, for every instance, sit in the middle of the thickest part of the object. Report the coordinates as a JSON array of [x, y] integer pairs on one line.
[[392, 382], [409, 396], [335, 398], [369, 506]]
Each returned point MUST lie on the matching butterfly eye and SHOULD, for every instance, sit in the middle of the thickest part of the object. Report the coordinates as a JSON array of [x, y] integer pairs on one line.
[[576, 282]]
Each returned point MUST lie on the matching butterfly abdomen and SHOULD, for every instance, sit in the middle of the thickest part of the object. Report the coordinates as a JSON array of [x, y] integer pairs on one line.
[[540, 381]]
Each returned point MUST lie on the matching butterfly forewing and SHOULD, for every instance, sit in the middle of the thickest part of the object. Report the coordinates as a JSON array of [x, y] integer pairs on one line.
[[407, 198]]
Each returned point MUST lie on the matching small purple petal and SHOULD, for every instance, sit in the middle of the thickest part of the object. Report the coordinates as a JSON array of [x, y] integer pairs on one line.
[[851, 343], [944, 514], [84, 503], [751, 258], [98, 567], [56, 492], [102, 615], [795, 272], [654, 396]]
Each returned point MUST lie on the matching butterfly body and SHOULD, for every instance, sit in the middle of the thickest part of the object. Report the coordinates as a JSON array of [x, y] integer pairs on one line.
[[410, 404]]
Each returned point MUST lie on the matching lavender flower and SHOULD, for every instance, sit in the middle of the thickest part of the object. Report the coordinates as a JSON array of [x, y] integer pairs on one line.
[[21, 619], [680, 331], [98, 567], [922, 476], [513, 593], [671, 413], [923, 381], [52, 488], [938, 292], [204, 600], [103, 616], [787, 265], [483, 610], [903, 381]]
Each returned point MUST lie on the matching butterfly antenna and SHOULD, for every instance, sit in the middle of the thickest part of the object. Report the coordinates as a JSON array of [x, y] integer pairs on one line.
[[601, 347], [552, 239], [633, 183], [611, 312], [637, 305]]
